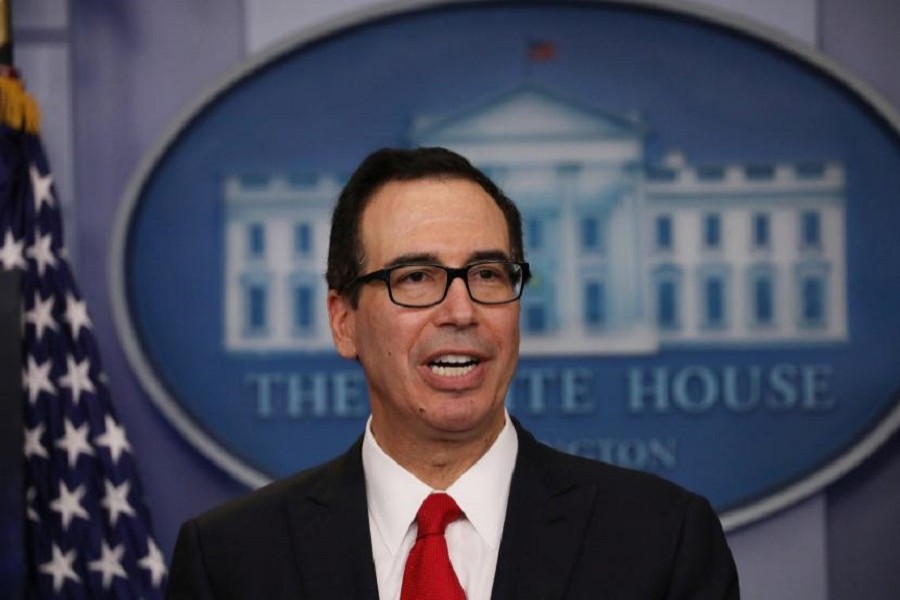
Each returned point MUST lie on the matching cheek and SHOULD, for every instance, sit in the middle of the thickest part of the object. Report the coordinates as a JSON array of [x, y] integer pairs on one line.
[[385, 337], [510, 330]]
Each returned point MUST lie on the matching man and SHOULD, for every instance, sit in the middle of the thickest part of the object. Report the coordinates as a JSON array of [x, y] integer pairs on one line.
[[425, 271]]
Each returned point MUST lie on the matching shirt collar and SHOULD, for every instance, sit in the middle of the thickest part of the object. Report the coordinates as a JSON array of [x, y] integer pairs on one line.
[[395, 495]]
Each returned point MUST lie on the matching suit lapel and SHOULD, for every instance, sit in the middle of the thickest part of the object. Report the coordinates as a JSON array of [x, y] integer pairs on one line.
[[545, 522], [329, 530]]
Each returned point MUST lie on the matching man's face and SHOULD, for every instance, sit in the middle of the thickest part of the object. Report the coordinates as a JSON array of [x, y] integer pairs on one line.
[[409, 354]]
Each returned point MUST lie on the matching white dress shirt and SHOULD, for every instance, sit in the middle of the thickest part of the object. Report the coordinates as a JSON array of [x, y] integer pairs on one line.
[[473, 541]]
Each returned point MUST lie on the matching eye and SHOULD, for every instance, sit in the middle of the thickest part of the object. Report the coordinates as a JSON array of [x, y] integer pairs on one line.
[[414, 275], [490, 273]]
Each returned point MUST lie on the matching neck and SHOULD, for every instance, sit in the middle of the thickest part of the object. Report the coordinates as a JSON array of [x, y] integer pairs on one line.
[[436, 462]]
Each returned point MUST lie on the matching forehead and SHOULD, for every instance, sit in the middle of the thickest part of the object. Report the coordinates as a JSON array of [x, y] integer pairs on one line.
[[448, 220]]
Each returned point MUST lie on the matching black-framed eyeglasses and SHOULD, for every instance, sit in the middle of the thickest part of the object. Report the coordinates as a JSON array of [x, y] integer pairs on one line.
[[424, 285]]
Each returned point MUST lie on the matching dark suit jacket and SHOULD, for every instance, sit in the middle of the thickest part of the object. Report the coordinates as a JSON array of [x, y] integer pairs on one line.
[[575, 528]]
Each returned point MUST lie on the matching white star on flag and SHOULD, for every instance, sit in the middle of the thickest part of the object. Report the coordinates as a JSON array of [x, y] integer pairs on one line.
[[33, 445], [76, 315], [42, 253], [11, 253], [109, 564], [68, 504], [77, 378], [74, 441], [36, 379], [154, 563], [42, 187], [60, 568], [41, 315], [116, 501], [113, 438]]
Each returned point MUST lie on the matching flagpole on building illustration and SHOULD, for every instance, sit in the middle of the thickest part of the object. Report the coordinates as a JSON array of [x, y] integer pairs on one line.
[[86, 527]]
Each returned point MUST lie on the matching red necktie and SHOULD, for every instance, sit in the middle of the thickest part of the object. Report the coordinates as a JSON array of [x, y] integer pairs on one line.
[[429, 574]]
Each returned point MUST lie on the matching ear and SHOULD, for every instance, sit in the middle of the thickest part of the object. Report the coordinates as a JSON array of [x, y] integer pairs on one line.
[[342, 320]]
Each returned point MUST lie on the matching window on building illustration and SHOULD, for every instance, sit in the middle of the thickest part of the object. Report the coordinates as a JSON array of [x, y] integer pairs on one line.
[[667, 304], [763, 299], [712, 231], [534, 233], [761, 230], [256, 240], [811, 229], [594, 303], [812, 300], [667, 290], [714, 301], [303, 307], [256, 314], [664, 233], [303, 242], [591, 234]]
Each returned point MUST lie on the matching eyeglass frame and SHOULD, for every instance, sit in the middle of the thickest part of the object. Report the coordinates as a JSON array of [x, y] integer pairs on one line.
[[452, 273]]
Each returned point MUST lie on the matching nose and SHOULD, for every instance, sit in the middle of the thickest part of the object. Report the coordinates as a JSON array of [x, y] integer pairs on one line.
[[458, 308]]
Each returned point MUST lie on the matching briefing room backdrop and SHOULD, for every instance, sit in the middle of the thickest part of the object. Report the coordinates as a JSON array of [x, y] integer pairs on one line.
[[113, 78]]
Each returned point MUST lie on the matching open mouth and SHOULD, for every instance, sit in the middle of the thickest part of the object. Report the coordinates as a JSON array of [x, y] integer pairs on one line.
[[453, 365]]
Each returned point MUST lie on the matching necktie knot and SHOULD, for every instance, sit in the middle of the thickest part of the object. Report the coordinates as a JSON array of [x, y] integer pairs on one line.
[[428, 574], [437, 511]]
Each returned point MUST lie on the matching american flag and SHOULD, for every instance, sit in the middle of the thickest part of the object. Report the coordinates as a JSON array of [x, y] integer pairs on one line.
[[541, 51], [87, 528]]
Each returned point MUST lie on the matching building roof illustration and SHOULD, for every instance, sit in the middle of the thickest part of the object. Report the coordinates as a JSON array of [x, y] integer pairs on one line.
[[527, 113]]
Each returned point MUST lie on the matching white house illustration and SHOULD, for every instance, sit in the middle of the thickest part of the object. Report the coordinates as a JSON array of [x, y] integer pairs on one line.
[[628, 257]]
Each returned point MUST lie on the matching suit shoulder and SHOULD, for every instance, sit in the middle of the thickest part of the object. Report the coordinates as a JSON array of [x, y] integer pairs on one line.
[[615, 481], [266, 503]]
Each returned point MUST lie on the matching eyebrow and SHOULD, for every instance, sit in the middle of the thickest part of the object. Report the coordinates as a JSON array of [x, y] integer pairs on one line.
[[429, 258]]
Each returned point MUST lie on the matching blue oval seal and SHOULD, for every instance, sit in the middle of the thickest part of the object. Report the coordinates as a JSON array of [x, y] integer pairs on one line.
[[709, 212]]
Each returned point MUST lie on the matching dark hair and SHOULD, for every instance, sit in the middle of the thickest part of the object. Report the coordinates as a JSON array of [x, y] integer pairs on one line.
[[345, 253]]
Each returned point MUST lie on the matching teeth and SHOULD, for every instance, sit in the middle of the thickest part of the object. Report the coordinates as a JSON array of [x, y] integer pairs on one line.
[[453, 365], [457, 359], [452, 371]]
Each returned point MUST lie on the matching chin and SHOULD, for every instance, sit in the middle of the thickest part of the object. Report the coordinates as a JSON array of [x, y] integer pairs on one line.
[[464, 420]]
